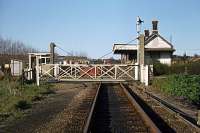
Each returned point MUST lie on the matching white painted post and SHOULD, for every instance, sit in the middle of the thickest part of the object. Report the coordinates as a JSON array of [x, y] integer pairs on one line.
[[95, 71], [146, 74], [31, 74], [29, 68], [37, 71], [55, 70], [101, 70], [75, 71], [136, 71], [115, 71], [71, 69]]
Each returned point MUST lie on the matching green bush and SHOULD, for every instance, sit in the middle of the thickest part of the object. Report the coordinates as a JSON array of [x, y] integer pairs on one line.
[[177, 68], [160, 69], [187, 86], [192, 68], [189, 68], [23, 104]]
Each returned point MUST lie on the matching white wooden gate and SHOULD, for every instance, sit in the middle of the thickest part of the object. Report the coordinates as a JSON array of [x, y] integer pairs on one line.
[[85, 72]]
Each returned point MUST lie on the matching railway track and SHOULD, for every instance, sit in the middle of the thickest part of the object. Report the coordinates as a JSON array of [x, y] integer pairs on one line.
[[115, 110], [160, 110]]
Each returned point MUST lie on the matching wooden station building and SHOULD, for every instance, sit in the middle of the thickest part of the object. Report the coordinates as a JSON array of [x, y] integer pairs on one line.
[[156, 47]]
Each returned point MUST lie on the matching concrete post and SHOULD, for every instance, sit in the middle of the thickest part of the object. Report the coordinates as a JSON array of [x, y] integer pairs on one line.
[[144, 69], [52, 57], [141, 49], [52, 52], [138, 53]]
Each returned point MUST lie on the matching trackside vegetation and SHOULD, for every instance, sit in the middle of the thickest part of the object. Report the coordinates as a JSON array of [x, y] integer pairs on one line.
[[191, 68], [180, 79], [15, 98], [187, 86]]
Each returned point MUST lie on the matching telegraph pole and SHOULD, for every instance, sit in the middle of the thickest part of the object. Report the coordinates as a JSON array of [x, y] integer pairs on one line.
[[138, 30], [52, 52]]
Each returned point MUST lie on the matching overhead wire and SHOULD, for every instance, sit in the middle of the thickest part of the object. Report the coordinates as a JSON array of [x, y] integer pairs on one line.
[[64, 50], [119, 47], [101, 56], [187, 49], [69, 53]]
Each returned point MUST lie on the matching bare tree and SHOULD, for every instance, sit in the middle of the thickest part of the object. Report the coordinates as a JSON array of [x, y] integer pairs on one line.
[[10, 47]]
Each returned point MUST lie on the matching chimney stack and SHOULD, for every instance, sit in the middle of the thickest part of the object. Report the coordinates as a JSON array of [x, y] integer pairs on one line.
[[146, 33], [155, 26]]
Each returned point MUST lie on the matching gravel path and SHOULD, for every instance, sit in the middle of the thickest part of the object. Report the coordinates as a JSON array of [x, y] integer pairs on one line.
[[72, 118], [49, 114]]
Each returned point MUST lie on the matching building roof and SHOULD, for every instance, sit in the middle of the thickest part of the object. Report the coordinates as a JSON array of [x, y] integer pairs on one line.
[[42, 53], [153, 36], [119, 48], [159, 49], [75, 58], [154, 42]]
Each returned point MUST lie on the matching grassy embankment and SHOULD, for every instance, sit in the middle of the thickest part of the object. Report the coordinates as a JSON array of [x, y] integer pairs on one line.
[[15, 98], [187, 86], [180, 80]]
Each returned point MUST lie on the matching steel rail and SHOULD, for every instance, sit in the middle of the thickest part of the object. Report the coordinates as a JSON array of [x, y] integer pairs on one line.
[[145, 117], [87, 124], [183, 116]]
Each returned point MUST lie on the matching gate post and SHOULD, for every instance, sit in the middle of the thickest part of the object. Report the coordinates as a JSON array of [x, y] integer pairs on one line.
[[144, 69], [146, 74], [136, 71], [115, 72], [29, 68], [141, 50], [95, 71], [56, 70], [37, 71], [142, 73]]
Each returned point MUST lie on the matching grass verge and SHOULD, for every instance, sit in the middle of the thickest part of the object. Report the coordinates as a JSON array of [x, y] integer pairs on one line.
[[15, 98], [186, 86]]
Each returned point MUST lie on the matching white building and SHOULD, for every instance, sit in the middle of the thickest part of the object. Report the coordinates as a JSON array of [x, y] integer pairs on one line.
[[156, 48]]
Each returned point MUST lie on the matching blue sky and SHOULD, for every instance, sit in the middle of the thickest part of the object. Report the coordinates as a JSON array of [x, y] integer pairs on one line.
[[93, 26]]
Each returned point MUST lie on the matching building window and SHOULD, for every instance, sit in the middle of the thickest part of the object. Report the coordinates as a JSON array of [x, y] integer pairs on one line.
[[42, 61], [47, 60], [155, 55]]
